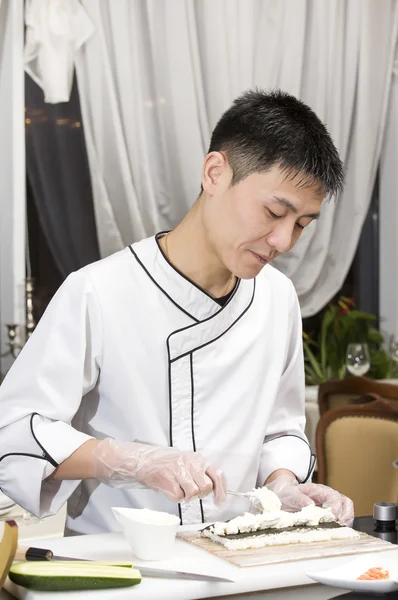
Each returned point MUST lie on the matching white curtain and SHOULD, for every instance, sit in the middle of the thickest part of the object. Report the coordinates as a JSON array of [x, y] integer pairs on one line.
[[388, 291], [12, 174], [55, 30], [156, 76]]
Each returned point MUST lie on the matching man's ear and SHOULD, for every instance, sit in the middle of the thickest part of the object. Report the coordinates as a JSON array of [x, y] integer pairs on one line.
[[215, 171]]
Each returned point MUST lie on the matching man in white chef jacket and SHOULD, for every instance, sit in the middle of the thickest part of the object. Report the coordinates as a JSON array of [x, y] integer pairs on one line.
[[173, 369]]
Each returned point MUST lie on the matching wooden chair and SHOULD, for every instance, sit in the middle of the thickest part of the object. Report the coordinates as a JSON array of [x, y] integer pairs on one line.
[[356, 446], [334, 394]]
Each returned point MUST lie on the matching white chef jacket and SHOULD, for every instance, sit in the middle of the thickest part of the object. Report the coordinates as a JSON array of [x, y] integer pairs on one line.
[[129, 348]]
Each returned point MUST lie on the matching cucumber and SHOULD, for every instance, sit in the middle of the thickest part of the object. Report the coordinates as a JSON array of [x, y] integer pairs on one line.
[[69, 576], [107, 563]]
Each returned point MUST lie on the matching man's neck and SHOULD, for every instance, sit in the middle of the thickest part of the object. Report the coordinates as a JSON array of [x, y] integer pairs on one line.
[[189, 250]]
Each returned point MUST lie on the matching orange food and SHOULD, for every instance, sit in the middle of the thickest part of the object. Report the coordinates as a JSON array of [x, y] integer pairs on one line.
[[375, 573]]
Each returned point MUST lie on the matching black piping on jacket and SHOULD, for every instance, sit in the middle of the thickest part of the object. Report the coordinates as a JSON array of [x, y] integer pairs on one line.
[[45, 456]]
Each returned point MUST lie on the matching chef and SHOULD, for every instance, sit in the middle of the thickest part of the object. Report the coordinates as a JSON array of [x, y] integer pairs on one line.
[[172, 371]]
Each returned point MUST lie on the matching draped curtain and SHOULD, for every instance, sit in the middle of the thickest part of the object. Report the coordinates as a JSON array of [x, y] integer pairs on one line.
[[388, 292], [154, 78], [56, 158], [12, 174], [59, 177]]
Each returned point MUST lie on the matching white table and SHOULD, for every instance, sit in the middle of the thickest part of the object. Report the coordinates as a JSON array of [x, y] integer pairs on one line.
[[37, 533], [314, 592], [247, 582], [51, 527]]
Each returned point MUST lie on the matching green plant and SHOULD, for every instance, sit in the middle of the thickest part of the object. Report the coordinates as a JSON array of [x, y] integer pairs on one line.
[[341, 325]]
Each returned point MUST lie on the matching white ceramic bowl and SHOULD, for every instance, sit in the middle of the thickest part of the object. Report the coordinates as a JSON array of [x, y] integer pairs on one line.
[[6, 503], [150, 533]]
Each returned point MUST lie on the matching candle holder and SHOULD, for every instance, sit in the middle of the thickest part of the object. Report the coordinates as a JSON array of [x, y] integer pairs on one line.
[[30, 321], [18, 334], [14, 346]]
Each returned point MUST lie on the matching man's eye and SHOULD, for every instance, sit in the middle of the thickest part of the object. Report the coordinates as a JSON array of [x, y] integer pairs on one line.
[[273, 215], [299, 226]]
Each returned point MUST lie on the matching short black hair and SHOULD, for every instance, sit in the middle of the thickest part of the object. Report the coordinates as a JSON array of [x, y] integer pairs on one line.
[[263, 129]]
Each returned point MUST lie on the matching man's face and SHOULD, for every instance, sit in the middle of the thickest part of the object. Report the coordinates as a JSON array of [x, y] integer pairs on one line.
[[252, 222]]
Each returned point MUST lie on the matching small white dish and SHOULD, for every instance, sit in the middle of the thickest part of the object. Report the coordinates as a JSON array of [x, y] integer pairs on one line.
[[346, 575], [150, 533], [6, 509], [5, 500], [6, 504]]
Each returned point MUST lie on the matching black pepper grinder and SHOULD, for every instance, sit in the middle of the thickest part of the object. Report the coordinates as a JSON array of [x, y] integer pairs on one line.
[[385, 515]]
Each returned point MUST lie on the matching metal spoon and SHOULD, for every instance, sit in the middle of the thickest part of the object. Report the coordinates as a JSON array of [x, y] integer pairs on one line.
[[255, 502], [243, 494]]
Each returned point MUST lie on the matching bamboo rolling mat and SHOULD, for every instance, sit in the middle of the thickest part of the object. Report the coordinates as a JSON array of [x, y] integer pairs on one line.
[[271, 555]]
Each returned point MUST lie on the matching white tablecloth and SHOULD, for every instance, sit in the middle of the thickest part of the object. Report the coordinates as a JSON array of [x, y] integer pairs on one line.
[[50, 527]]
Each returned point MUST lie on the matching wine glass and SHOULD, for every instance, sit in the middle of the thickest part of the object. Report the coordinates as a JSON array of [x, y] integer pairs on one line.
[[357, 359]]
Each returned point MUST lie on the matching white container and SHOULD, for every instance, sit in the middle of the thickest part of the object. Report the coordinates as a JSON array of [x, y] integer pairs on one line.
[[6, 504], [150, 533]]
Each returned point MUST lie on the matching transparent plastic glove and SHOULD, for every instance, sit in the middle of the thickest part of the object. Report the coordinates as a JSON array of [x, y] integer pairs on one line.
[[294, 496], [342, 507], [286, 487], [179, 475]]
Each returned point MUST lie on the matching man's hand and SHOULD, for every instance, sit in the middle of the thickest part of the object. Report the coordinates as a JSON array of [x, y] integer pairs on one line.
[[294, 496], [179, 475]]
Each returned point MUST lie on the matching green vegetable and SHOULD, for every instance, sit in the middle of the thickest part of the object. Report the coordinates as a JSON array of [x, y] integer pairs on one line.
[[68, 576], [106, 563]]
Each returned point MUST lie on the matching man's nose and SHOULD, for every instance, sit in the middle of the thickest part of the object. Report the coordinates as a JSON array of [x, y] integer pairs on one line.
[[281, 237]]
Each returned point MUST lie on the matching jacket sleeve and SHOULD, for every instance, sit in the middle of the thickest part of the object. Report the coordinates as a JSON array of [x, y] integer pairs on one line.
[[285, 444], [41, 394]]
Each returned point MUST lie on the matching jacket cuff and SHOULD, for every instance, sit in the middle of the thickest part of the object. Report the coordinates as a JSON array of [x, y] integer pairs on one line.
[[35, 446], [287, 451], [57, 439]]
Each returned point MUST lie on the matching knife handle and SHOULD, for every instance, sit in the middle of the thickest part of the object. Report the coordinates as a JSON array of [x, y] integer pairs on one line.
[[33, 554]]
